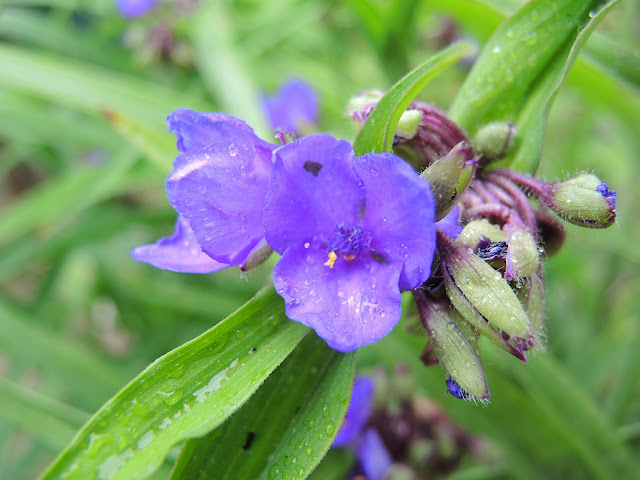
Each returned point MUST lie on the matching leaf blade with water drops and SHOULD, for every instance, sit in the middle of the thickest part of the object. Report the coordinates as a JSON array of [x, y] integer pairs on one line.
[[545, 37], [285, 429], [184, 394]]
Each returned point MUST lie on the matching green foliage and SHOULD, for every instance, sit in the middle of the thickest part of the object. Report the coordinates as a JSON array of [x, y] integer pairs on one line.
[[83, 156], [285, 428], [184, 394]]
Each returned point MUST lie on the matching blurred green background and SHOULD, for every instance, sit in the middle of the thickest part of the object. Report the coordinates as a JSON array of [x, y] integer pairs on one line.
[[84, 153]]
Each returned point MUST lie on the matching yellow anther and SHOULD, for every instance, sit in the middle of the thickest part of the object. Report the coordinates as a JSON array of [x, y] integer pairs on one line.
[[332, 259], [351, 256]]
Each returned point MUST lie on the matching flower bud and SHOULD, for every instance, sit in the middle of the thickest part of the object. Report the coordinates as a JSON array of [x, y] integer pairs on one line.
[[496, 140], [455, 344], [360, 106], [444, 177], [257, 257], [408, 124], [484, 288], [477, 230], [583, 200], [477, 321], [522, 255]]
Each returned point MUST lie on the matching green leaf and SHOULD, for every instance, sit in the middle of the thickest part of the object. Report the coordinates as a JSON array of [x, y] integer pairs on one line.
[[222, 68], [184, 394], [570, 410], [157, 145], [521, 68], [45, 418], [89, 88], [58, 354], [48, 207], [379, 130], [286, 428]]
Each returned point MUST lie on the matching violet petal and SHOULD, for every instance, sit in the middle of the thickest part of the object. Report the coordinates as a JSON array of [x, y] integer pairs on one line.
[[179, 253], [353, 304], [313, 188], [196, 130], [399, 214], [451, 223], [221, 190]]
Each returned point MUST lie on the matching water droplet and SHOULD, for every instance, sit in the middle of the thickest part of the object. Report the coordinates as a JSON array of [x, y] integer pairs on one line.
[[173, 397], [202, 189], [496, 49], [329, 429], [274, 472], [233, 150], [592, 13]]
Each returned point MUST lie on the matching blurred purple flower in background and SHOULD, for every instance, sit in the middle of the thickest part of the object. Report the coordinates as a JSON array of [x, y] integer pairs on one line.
[[294, 109], [373, 457], [135, 8]]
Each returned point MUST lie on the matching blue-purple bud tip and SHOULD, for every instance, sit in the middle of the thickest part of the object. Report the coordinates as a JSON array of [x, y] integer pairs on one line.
[[455, 389], [603, 189]]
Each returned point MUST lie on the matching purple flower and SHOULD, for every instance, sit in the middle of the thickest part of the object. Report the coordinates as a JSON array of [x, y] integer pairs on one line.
[[373, 457], [352, 232], [293, 109], [218, 186], [135, 8]]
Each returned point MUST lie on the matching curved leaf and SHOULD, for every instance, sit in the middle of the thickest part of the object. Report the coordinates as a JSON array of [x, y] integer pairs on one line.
[[285, 429], [521, 69], [379, 130], [186, 393]]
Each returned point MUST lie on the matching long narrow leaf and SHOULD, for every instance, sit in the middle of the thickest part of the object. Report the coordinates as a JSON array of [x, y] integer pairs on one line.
[[184, 394], [379, 130], [545, 37], [285, 428]]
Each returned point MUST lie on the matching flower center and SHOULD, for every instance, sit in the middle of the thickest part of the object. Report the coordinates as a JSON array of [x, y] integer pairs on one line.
[[348, 241]]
